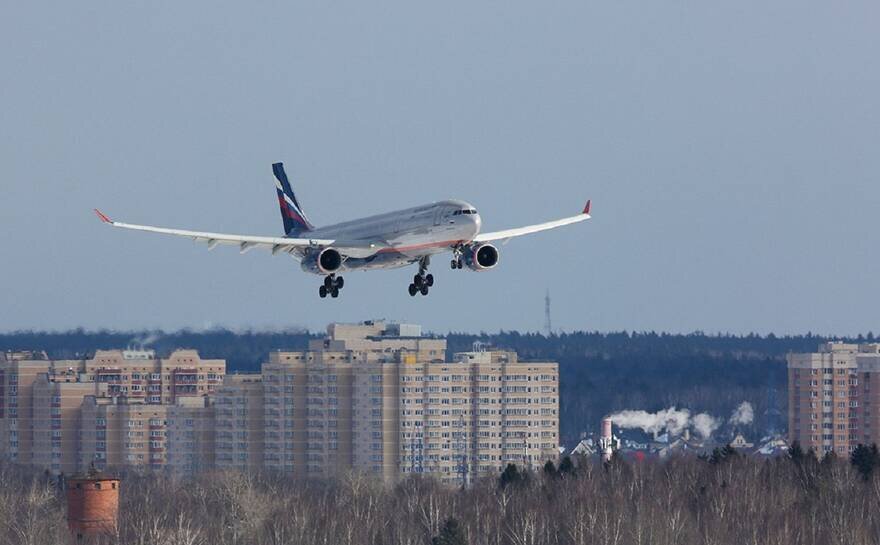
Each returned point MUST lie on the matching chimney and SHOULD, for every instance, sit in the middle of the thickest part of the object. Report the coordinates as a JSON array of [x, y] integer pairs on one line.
[[606, 440], [606, 428]]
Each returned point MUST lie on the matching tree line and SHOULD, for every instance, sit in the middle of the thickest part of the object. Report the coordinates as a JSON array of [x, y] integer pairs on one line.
[[719, 499]]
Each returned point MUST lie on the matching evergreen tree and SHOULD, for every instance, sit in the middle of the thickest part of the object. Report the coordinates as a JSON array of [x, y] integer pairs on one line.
[[729, 451], [865, 459], [796, 453], [511, 475], [450, 534], [566, 466], [721, 454], [550, 469]]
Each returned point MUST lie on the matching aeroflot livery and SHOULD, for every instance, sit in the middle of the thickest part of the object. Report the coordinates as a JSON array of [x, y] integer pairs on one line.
[[384, 241]]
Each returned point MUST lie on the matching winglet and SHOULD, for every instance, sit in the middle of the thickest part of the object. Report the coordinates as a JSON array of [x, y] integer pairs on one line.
[[586, 208], [103, 217]]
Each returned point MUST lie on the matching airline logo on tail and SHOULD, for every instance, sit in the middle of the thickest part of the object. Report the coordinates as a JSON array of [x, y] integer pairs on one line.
[[295, 220]]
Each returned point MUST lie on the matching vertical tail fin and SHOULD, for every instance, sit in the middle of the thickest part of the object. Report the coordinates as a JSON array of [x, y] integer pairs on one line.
[[295, 220]]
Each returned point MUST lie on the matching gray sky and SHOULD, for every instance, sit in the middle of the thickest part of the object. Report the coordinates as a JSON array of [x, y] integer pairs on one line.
[[731, 152]]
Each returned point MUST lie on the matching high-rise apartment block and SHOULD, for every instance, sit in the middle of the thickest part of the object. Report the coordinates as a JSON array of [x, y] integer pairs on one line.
[[65, 415], [374, 397], [832, 405], [382, 399]]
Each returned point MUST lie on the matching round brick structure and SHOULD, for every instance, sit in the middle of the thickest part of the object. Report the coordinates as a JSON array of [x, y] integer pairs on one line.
[[92, 505]]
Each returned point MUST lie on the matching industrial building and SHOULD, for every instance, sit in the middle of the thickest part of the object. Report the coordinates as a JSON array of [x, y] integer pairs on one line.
[[376, 397]]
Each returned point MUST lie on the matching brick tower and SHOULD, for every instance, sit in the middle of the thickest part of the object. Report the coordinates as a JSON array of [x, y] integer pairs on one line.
[[92, 504]]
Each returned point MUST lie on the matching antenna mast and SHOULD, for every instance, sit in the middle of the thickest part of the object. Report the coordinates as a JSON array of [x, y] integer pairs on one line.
[[548, 325]]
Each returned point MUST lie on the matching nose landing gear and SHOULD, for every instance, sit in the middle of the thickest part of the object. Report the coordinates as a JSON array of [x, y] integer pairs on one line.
[[332, 285], [422, 282]]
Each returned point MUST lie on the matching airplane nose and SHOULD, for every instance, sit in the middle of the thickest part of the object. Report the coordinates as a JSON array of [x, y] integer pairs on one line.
[[478, 222]]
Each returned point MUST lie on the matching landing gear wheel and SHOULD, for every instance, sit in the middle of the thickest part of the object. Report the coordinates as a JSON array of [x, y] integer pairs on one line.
[[322, 291], [334, 292], [429, 280], [413, 290], [418, 280], [424, 289], [328, 282], [453, 264], [459, 263], [339, 282]]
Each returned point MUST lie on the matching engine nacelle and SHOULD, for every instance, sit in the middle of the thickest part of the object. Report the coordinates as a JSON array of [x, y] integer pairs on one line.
[[326, 261], [481, 257]]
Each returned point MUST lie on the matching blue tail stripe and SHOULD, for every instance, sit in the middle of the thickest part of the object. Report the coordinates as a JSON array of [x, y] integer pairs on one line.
[[294, 219]]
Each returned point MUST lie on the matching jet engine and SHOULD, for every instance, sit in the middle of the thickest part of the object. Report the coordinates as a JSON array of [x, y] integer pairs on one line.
[[481, 257], [326, 261]]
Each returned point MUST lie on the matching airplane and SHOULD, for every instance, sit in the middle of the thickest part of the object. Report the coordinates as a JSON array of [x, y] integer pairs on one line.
[[385, 241]]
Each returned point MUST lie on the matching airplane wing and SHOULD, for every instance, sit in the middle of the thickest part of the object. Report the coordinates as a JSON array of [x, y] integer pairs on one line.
[[294, 246], [520, 231]]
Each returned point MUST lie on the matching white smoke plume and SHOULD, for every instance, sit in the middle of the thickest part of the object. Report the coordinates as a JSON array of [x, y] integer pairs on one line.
[[145, 340], [671, 420], [743, 415], [705, 424]]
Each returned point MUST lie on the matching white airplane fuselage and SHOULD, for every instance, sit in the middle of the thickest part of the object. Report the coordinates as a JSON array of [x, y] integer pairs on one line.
[[384, 241], [411, 234]]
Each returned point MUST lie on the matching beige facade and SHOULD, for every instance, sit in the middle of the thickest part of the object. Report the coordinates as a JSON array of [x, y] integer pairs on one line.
[[477, 414], [831, 403], [64, 415], [18, 372], [190, 440], [238, 423], [117, 433], [369, 399], [56, 412], [375, 397], [159, 381]]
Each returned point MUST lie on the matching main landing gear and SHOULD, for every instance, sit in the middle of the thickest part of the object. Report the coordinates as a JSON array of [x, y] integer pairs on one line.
[[456, 262], [422, 282], [332, 285]]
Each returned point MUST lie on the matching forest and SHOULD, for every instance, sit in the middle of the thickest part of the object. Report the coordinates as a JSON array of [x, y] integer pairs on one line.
[[599, 372], [721, 499]]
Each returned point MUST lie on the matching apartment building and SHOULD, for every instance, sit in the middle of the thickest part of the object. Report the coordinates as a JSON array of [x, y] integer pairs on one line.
[[116, 433], [55, 435], [476, 414], [832, 406], [159, 381], [18, 372], [64, 415], [382, 399], [374, 397], [239, 427], [190, 436]]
